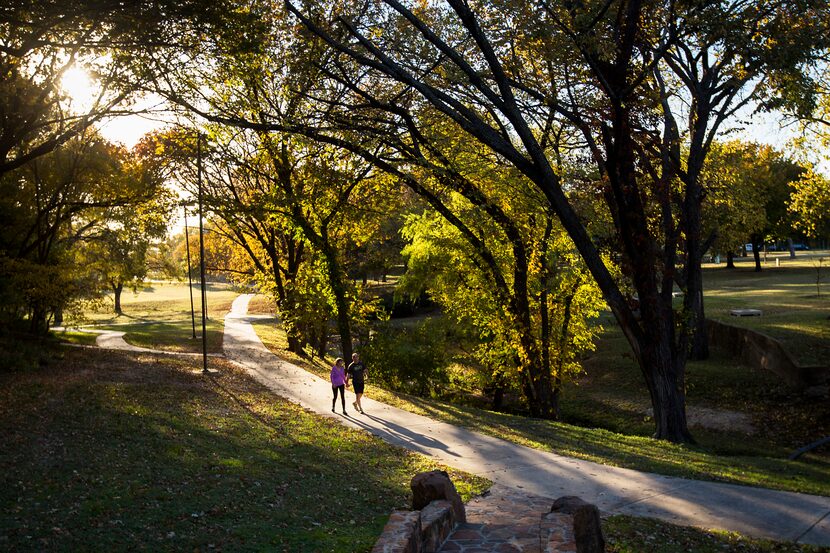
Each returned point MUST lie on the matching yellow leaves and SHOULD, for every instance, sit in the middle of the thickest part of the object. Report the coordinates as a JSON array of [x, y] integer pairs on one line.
[[810, 202]]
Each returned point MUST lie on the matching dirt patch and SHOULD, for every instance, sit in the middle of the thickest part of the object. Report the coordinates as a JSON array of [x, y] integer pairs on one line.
[[719, 419]]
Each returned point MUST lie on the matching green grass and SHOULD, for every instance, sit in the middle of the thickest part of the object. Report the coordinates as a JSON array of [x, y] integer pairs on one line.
[[626, 534], [159, 317], [103, 450], [162, 302], [782, 419], [76, 337], [793, 312], [172, 336], [607, 422]]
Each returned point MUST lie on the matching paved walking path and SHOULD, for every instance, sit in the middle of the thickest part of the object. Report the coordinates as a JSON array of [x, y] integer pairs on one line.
[[752, 511]]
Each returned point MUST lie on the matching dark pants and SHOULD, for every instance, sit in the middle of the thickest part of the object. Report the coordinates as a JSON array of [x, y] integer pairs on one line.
[[342, 389]]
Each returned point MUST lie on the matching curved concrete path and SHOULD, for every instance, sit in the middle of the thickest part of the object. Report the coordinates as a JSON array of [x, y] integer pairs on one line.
[[752, 511], [114, 339]]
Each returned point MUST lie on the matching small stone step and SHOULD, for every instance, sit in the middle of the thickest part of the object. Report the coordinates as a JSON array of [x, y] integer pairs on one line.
[[498, 538], [511, 521], [745, 313]]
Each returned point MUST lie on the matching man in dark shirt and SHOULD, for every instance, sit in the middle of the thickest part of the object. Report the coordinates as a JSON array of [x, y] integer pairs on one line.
[[357, 372]]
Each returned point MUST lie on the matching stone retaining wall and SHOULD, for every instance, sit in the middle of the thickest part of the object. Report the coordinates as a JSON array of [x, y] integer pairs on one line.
[[417, 531], [764, 352]]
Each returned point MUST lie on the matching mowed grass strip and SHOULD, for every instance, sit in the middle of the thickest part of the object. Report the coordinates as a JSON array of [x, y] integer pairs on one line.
[[626, 534], [113, 451], [159, 317], [173, 336], [162, 302]]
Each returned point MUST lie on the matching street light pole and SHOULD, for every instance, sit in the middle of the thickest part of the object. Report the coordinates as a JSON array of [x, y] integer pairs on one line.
[[202, 255], [189, 272]]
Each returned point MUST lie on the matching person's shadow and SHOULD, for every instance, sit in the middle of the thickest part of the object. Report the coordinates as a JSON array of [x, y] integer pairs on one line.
[[400, 435]]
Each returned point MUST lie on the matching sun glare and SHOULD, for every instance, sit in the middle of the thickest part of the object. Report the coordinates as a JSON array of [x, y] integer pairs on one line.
[[79, 88]]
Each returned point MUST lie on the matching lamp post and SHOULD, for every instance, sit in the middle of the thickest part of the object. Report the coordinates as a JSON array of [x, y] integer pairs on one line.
[[202, 254], [189, 272]]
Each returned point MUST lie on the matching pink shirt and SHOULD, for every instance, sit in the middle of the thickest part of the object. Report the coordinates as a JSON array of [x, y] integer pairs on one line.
[[338, 376]]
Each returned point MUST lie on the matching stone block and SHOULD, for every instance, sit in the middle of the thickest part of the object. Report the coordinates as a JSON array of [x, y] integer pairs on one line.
[[436, 484], [587, 529], [746, 313]]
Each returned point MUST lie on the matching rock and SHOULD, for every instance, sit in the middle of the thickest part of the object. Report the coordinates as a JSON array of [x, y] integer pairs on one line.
[[586, 521], [436, 484]]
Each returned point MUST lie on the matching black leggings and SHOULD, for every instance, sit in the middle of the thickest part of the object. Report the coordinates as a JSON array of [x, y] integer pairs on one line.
[[342, 389]]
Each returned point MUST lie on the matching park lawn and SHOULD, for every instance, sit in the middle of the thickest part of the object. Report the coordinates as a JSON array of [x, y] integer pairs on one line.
[[782, 419], [173, 336], [625, 534], [606, 421], [116, 451], [793, 311], [162, 302], [76, 337], [159, 317]]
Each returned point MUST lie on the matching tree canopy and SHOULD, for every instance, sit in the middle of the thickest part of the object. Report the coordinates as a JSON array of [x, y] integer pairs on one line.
[[532, 132]]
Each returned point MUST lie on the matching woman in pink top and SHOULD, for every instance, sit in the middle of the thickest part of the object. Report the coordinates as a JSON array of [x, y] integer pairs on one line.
[[338, 383]]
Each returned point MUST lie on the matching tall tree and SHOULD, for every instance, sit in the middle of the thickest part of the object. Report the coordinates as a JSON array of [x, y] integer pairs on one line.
[[325, 198], [501, 71], [51, 207], [118, 250], [733, 208]]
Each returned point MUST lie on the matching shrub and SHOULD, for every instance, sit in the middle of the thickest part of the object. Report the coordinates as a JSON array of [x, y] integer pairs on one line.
[[410, 360]]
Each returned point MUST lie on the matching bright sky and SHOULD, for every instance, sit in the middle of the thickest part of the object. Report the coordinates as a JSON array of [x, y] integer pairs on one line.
[[128, 129]]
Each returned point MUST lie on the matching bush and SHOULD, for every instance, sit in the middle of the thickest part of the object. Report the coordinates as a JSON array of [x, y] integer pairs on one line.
[[409, 360], [20, 351]]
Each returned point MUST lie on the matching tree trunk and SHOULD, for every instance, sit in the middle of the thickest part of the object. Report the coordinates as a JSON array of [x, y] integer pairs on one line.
[[58, 316], [730, 260], [285, 286], [343, 323], [700, 340], [38, 321], [541, 399], [295, 343], [669, 405], [337, 281], [290, 323], [117, 288], [499, 386], [693, 292], [664, 372], [322, 340], [756, 254]]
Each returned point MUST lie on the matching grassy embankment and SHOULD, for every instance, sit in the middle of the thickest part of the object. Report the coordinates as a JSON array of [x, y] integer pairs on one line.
[[110, 451], [611, 426]]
